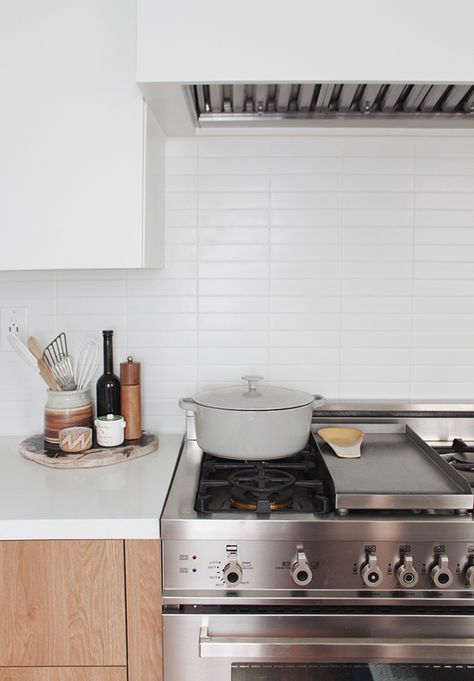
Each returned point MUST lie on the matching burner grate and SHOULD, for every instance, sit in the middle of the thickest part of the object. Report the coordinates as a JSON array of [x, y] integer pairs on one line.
[[290, 485]]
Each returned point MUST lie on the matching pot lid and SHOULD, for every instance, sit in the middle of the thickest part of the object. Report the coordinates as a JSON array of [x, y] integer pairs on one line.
[[253, 397]]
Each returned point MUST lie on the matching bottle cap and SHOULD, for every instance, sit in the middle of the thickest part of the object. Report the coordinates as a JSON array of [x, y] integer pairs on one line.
[[130, 372]]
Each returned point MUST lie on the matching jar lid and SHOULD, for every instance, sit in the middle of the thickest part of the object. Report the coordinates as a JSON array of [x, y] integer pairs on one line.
[[253, 397], [110, 417]]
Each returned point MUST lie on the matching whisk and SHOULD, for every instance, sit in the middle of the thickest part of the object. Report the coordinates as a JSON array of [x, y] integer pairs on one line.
[[87, 361]]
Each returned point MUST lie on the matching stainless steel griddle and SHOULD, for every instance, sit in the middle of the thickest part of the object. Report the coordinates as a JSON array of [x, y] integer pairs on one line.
[[396, 471]]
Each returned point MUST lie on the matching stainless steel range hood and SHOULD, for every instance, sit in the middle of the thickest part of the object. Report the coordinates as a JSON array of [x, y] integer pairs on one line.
[[344, 104]]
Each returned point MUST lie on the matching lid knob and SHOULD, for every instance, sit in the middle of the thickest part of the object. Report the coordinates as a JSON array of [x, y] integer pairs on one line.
[[252, 381]]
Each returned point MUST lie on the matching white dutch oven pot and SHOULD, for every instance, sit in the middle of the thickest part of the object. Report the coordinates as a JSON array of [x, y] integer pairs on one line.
[[252, 422]]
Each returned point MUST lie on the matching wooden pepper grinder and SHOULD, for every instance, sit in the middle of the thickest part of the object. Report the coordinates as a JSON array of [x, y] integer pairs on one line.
[[130, 398]]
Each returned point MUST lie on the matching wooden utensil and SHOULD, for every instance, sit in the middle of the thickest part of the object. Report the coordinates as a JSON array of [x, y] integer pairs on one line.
[[344, 441], [35, 347], [47, 375]]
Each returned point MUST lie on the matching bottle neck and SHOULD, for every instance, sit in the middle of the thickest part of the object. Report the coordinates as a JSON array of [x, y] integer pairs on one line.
[[108, 355]]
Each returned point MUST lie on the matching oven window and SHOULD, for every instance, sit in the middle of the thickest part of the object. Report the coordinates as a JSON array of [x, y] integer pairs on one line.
[[350, 672]]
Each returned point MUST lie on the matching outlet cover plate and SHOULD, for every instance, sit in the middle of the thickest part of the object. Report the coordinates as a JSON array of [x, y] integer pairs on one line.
[[11, 317]]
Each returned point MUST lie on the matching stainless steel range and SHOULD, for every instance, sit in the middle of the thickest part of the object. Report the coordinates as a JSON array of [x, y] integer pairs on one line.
[[294, 570]]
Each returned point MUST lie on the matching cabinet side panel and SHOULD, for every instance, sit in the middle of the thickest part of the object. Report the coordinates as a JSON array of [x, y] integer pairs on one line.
[[62, 603], [144, 615]]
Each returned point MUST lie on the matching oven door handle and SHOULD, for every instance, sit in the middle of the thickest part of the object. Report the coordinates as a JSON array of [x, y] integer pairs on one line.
[[317, 648]]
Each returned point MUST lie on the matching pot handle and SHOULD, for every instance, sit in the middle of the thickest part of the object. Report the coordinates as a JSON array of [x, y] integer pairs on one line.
[[252, 381], [188, 403], [319, 401]]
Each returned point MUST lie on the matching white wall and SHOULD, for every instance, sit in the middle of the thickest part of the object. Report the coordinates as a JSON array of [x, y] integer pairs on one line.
[[341, 264]]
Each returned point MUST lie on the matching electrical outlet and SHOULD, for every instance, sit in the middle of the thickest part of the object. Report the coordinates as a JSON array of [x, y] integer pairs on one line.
[[13, 320]]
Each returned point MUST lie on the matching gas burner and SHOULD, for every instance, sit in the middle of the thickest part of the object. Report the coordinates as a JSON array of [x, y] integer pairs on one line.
[[292, 485], [261, 489]]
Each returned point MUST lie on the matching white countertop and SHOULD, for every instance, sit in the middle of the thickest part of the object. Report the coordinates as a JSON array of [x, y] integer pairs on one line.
[[122, 501]]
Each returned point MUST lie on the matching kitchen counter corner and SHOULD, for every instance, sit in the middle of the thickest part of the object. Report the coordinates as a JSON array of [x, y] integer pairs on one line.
[[123, 501]]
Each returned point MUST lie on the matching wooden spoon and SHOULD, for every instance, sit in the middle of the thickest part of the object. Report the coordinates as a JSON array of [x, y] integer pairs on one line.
[[47, 375], [344, 441], [35, 347]]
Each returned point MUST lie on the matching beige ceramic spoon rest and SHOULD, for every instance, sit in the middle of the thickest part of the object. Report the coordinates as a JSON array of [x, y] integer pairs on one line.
[[344, 441]]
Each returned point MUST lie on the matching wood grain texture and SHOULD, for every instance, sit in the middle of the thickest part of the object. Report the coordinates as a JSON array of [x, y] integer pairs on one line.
[[63, 674], [62, 603], [144, 615]]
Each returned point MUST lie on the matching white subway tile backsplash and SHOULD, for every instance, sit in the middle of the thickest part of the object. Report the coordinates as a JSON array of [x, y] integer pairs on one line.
[[379, 252], [234, 183], [231, 200], [180, 200], [375, 215], [321, 257], [305, 218], [233, 304], [233, 218], [233, 287], [445, 166], [305, 235], [230, 321], [229, 339], [377, 235], [234, 165], [340, 264], [378, 183], [389, 165], [322, 338], [233, 235], [443, 183], [304, 164], [445, 200], [444, 218], [296, 182], [233, 252], [233, 355], [306, 200], [392, 207], [233, 270]]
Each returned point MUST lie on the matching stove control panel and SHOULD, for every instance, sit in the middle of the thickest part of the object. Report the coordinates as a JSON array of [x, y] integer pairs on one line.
[[346, 565]]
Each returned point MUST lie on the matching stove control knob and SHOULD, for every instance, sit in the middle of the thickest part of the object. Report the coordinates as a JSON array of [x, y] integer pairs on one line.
[[232, 572], [406, 573], [300, 571], [470, 575], [371, 573], [441, 574]]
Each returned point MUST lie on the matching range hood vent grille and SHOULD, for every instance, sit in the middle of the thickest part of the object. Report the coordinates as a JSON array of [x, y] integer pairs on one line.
[[311, 104]]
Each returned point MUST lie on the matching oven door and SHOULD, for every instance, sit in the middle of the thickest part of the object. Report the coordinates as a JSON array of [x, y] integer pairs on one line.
[[279, 646]]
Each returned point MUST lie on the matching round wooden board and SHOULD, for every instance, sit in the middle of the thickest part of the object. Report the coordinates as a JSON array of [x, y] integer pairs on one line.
[[33, 448]]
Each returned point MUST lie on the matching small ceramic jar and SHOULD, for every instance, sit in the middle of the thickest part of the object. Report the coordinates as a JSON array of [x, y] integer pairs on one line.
[[110, 430], [65, 409]]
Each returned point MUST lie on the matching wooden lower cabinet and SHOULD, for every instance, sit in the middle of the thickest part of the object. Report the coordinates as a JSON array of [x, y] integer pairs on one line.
[[62, 604], [80, 610], [63, 674], [144, 610]]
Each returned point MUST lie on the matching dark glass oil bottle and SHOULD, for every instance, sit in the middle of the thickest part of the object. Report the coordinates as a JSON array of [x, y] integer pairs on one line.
[[108, 385]]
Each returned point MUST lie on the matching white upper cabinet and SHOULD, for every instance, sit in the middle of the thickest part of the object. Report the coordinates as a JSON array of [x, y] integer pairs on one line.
[[81, 162], [249, 41]]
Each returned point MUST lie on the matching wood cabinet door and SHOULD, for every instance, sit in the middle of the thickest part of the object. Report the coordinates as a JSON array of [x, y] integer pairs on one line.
[[63, 674], [144, 610], [62, 603]]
